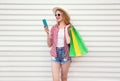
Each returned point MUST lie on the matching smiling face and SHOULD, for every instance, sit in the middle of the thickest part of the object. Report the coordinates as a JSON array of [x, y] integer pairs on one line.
[[62, 16], [58, 16]]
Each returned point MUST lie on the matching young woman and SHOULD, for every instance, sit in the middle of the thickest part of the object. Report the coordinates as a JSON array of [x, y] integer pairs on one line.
[[58, 39]]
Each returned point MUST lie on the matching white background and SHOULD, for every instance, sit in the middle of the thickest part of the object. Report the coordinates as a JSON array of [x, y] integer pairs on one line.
[[24, 55]]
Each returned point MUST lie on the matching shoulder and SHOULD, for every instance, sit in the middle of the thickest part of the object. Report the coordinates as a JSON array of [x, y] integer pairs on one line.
[[54, 27], [69, 26]]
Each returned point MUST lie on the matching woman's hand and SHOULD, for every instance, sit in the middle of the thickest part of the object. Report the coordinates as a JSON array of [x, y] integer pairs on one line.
[[48, 36], [68, 26], [46, 30]]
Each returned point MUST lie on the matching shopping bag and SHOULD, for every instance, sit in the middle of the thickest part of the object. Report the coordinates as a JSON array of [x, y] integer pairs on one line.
[[77, 45]]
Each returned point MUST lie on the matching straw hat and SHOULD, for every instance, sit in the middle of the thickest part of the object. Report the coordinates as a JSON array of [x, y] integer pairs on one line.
[[58, 8]]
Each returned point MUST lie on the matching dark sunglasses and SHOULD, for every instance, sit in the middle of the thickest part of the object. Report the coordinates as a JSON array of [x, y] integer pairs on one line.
[[57, 14]]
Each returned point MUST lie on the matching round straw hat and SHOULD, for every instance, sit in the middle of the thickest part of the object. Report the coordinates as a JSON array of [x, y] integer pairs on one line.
[[58, 8]]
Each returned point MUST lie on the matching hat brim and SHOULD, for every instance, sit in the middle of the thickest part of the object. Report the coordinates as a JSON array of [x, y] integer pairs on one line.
[[58, 8]]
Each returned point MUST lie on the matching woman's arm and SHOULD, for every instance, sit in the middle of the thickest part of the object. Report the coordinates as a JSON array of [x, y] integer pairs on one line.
[[48, 40], [67, 34], [48, 37]]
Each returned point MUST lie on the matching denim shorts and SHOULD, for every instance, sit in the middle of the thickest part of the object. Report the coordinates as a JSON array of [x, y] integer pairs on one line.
[[60, 56]]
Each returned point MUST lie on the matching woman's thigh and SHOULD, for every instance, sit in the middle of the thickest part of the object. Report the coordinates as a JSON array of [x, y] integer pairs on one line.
[[64, 69], [56, 71]]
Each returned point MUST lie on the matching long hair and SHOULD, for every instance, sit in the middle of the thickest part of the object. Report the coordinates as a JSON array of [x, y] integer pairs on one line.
[[65, 16]]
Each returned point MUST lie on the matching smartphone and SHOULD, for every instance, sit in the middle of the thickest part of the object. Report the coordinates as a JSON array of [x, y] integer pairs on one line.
[[45, 23]]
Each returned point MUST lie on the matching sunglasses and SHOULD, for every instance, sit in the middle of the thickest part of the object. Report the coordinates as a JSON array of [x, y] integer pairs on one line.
[[57, 14]]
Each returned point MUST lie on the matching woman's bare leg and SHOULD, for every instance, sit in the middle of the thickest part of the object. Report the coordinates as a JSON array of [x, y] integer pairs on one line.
[[56, 71], [64, 71]]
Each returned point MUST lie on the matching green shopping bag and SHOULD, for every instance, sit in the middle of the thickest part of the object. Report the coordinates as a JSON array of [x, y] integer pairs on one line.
[[77, 45]]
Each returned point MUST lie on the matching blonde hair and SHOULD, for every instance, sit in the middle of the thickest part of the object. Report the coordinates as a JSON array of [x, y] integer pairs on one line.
[[66, 17]]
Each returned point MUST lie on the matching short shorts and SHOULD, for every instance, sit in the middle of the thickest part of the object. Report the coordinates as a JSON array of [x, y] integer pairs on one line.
[[60, 56]]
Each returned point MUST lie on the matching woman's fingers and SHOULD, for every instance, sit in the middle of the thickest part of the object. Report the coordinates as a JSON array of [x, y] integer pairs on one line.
[[68, 25], [46, 29]]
